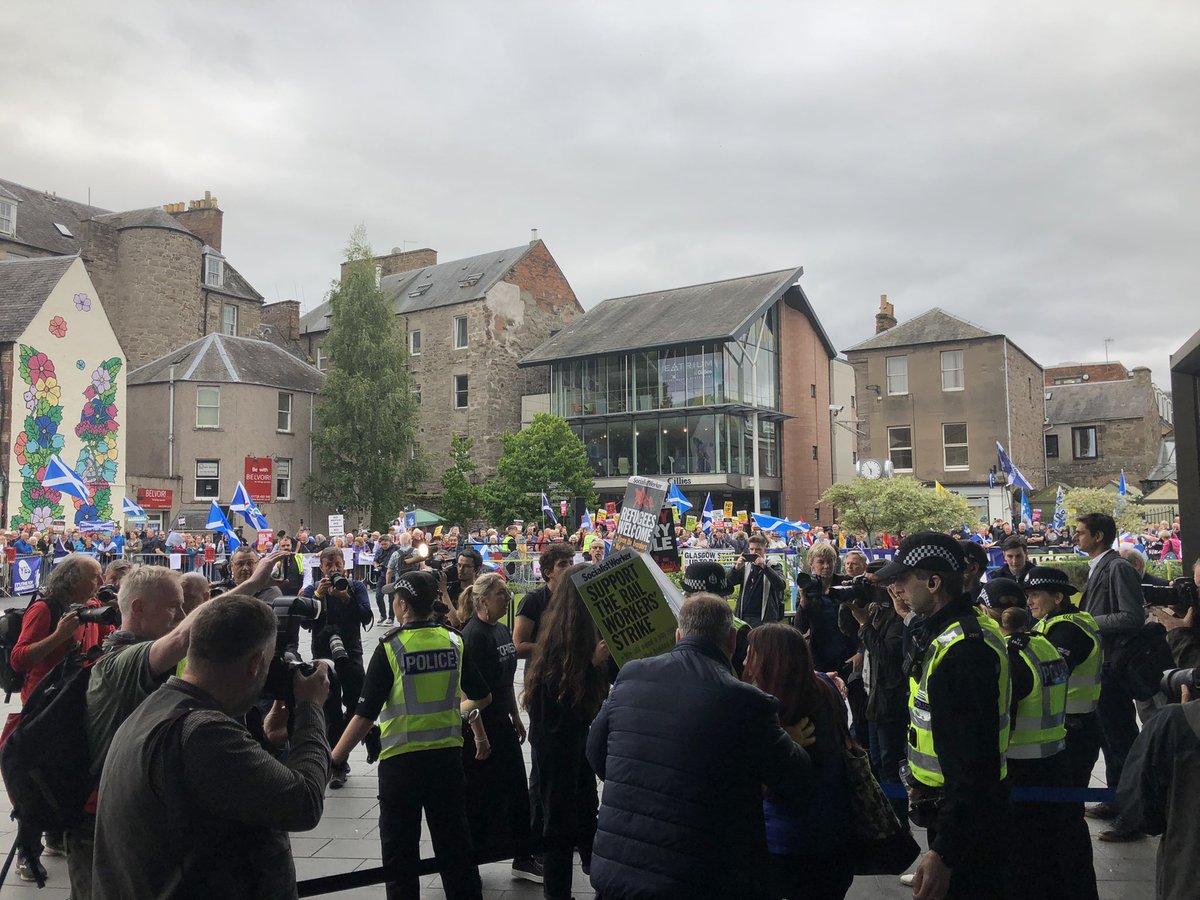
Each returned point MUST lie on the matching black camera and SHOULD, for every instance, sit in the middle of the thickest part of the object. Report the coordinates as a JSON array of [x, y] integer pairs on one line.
[[1174, 679], [339, 583], [107, 593], [1179, 596], [810, 587], [290, 614], [92, 615], [749, 557], [857, 592], [337, 648]]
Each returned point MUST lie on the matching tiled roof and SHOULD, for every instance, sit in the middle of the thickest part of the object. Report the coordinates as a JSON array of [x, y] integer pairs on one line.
[[223, 359], [933, 327], [24, 286], [37, 215], [1096, 401]]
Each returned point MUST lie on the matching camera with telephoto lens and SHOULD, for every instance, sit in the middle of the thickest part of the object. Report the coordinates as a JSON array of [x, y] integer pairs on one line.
[[93, 615], [857, 592], [1179, 596], [1175, 679], [339, 582], [290, 614], [811, 588], [337, 647], [107, 593]]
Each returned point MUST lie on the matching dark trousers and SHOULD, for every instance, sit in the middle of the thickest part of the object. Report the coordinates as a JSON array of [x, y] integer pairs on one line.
[[1118, 725], [889, 747], [567, 788], [801, 876], [981, 878], [429, 780], [856, 697], [383, 604], [497, 799], [1083, 747]]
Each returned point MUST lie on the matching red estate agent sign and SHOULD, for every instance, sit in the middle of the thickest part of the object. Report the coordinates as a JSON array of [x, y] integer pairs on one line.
[[258, 478], [155, 498]]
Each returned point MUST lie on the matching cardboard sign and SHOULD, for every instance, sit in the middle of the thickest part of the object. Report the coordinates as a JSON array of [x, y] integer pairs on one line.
[[337, 526], [639, 514], [264, 540], [663, 548], [210, 552], [689, 524], [743, 517], [258, 478], [728, 509], [610, 508], [632, 603]]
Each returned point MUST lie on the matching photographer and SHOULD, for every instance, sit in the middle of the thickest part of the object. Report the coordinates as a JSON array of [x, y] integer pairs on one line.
[[1183, 636], [346, 611], [191, 805], [762, 585], [817, 616]]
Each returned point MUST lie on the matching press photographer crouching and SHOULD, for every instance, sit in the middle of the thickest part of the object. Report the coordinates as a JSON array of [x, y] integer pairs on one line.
[[190, 804], [337, 635]]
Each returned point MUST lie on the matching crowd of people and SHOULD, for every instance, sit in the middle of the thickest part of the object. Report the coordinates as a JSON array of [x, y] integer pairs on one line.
[[726, 764]]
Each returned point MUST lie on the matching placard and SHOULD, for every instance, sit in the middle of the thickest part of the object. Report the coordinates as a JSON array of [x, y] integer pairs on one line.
[[258, 478], [265, 537], [639, 514], [630, 605], [663, 548], [208, 469], [337, 526], [25, 572], [728, 509]]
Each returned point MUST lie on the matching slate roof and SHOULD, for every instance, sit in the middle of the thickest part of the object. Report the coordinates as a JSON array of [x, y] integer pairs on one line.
[[151, 217], [1096, 401], [933, 327], [37, 212], [715, 311], [223, 359], [24, 286], [445, 284]]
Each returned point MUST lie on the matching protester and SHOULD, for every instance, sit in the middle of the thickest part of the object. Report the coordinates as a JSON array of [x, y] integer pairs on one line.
[[553, 561], [157, 790], [683, 749], [1016, 559]]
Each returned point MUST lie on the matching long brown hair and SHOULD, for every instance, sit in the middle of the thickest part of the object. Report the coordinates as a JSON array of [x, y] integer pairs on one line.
[[561, 669], [778, 661]]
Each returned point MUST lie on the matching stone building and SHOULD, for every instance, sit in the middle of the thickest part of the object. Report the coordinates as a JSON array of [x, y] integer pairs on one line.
[[161, 271], [1099, 424], [936, 393], [468, 322], [217, 411], [62, 391], [710, 385]]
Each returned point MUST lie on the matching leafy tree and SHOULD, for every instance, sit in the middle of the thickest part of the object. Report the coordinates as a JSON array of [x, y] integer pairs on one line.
[[366, 445], [1081, 501], [901, 504], [461, 497], [546, 452]]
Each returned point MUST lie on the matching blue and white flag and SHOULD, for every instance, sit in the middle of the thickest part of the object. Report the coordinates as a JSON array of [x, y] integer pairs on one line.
[[1060, 511], [94, 527], [586, 521], [66, 480], [1026, 511], [242, 504], [482, 550], [218, 522], [129, 508], [1121, 488], [1015, 478], [676, 499], [547, 510], [410, 520], [256, 519], [774, 523], [706, 517], [26, 572]]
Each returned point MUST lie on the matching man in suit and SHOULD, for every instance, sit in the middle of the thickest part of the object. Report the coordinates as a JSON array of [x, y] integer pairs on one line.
[[1113, 597]]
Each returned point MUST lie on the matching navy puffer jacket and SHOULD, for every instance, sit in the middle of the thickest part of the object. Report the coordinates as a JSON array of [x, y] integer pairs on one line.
[[684, 749]]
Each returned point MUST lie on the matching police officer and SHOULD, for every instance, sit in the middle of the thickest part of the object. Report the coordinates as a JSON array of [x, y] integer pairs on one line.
[[412, 685], [711, 577], [958, 707], [1037, 758]]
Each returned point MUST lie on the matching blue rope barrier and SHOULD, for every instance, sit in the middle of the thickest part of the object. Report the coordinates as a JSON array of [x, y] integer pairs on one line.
[[1027, 794]]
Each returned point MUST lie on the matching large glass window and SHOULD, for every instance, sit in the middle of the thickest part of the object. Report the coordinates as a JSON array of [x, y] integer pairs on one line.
[[595, 442], [620, 448], [673, 449], [618, 385], [900, 448], [672, 370], [572, 393], [702, 440], [593, 391], [952, 370], [733, 445], [747, 432], [646, 374], [645, 435], [954, 447], [768, 449], [733, 375], [897, 375]]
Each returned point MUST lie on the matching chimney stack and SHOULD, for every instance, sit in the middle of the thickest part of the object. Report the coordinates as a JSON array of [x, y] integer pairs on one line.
[[400, 261], [203, 218], [886, 317], [533, 238]]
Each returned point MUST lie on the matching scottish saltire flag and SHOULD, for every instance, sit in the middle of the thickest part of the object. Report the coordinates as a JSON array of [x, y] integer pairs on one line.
[[94, 527], [1121, 489], [1015, 478], [218, 522], [256, 519], [1060, 511], [242, 504], [482, 550], [676, 499], [547, 510], [774, 523], [1026, 510], [991, 479], [586, 521], [66, 480], [129, 508], [706, 517]]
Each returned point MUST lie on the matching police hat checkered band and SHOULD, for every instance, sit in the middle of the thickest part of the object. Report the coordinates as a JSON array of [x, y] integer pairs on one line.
[[405, 585], [917, 555], [1051, 582]]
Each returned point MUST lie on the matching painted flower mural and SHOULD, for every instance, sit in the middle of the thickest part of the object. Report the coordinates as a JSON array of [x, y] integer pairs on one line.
[[83, 302], [97, 426], [58, 327]]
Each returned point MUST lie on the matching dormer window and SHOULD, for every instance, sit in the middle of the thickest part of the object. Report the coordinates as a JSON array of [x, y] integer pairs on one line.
[[418, 291], [214, 270], [8, 216]]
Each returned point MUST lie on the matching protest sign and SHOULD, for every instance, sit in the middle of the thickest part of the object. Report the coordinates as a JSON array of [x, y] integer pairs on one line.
[[728, 509], [337, 526], [265, 538], [633, 608], [25, 572], [743, 517], [610, 508], [639, 514], [690, 523], [663, 548]]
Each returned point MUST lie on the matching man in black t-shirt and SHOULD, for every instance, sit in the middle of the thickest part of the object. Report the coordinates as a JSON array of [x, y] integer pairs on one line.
[[555, 560]]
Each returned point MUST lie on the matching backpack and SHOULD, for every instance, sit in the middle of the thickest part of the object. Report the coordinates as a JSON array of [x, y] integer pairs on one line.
[[45, 762], [11, 680]]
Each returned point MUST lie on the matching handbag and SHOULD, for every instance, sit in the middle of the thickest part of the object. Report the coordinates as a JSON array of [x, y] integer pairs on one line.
[[879, 844]]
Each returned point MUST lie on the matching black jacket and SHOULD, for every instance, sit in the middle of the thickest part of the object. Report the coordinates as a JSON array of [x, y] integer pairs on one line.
[[1114, 598], [684, 748], [761, 601], [883, 636]]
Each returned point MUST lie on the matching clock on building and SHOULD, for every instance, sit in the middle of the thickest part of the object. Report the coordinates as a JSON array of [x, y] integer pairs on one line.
[[874, 468]]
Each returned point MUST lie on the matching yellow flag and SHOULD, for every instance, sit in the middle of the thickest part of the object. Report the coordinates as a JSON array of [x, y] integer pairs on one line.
[[937, 487]]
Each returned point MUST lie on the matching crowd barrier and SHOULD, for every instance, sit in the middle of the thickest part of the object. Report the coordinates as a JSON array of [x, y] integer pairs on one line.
[[23, 574]]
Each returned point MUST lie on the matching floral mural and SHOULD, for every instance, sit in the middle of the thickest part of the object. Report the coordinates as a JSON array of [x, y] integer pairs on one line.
[[97, 428]]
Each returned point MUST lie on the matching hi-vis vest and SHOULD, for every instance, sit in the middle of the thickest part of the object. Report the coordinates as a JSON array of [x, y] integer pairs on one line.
[[1039, 729], [1083, 690], [922, 756], [422, 709]]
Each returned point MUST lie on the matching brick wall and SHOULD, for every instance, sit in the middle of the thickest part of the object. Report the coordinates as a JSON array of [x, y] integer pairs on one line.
[[803, 363], [284, 317], [404, 261], [1027, 413], [1113, 371]]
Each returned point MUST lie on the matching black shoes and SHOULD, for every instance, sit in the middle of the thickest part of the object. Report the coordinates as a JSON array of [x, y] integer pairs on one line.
[[29, 870], [338, 775], [529, 868]]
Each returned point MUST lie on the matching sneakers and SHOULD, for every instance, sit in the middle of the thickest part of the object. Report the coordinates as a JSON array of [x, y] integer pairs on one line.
[[1120, 833], [1103, 811], [30, 870], [908, 879], [54, 846], [529, 868], [338, 775]]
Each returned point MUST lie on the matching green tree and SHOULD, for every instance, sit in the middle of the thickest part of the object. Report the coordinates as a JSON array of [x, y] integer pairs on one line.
[[1081, 501], [461, 497], [547, 452], [366, 444], [870, 506]]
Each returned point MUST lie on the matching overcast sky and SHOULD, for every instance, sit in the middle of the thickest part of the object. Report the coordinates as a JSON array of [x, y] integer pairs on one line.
[[1030, 167]]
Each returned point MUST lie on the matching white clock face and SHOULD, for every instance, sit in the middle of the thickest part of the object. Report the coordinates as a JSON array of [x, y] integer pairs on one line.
[[871, 468]]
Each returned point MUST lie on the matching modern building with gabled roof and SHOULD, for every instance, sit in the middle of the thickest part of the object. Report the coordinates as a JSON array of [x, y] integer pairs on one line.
[[468, 322], [935, 394], [722, 387]]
